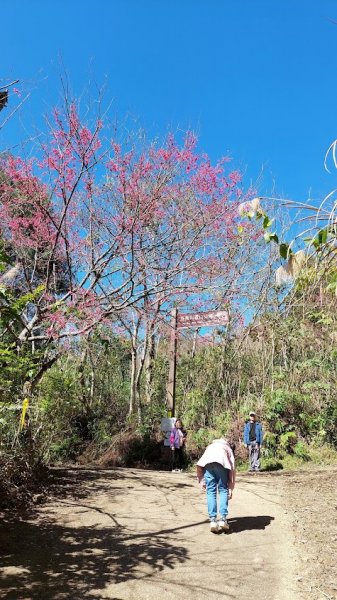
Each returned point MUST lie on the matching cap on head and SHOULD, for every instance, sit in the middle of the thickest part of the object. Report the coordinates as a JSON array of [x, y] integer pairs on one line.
[[252, 414]]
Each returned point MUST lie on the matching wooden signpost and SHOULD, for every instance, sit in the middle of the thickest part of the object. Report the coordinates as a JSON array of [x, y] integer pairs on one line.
[[184, 321]]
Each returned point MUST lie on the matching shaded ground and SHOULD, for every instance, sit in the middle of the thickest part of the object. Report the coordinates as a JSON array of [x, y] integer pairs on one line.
[[128, 534], [311, 499]]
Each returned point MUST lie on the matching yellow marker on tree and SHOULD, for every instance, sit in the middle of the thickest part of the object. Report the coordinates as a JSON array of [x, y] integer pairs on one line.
[[25, 405]]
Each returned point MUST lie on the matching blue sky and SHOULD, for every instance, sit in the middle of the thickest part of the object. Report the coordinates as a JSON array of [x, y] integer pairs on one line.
[[254, 78]]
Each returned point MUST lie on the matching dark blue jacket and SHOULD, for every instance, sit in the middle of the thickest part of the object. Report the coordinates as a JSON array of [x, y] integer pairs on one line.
[[258, 431]]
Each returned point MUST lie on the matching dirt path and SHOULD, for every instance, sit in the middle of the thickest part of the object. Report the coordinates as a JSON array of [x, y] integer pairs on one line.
[[135, 535]]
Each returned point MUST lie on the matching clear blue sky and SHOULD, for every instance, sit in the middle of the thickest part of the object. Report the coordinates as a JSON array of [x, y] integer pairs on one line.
[[255, 78]]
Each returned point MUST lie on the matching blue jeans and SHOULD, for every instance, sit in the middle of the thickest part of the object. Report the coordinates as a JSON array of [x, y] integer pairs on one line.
[[216, 478]]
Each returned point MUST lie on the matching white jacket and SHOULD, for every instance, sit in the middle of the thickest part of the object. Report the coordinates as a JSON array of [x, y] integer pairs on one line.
[[219, 451]]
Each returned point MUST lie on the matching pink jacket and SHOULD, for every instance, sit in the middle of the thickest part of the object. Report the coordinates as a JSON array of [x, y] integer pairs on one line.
[[177, 437]]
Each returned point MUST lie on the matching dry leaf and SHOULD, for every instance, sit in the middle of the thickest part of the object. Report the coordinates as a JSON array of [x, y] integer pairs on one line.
[[283, 275]]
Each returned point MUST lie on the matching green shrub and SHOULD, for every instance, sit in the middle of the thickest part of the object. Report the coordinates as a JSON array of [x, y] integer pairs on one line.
[[270, 440], [330, 420], [288, 440], [222, 423], [194, 413], [66, 449], [301, 451], [198, 440], [272, 464]]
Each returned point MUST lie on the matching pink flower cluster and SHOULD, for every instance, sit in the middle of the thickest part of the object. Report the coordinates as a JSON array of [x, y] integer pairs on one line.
[[82, 312], [24, 206]]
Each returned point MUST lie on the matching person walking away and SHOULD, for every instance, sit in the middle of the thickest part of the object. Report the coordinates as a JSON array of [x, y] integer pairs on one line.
[[177, 442], [253, 438], [216, 473]]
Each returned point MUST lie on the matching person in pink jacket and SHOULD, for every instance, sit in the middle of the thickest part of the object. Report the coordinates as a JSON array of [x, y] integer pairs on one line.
[[177, 443], [216, 473]]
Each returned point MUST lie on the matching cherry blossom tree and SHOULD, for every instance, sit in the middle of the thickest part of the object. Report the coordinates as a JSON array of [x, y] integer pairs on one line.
[[183, 237], [95, 230]]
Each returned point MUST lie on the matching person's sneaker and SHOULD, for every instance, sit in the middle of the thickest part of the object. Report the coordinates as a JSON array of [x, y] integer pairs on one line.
[[223, 525], [213, 527]]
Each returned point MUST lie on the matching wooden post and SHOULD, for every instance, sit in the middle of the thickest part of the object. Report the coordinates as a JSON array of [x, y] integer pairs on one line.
[[171, 384]]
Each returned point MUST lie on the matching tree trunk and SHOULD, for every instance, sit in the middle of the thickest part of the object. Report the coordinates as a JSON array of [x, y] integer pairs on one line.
[[194, 344], [149, 365], [82, 377], [92, 379], [134, 378], [132, 402], [139, 371]]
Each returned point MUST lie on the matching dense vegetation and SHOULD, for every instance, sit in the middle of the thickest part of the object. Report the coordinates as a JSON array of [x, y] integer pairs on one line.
[[284, 365]]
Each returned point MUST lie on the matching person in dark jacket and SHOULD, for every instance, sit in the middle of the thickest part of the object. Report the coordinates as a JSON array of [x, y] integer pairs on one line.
[[253, 438], [177, 443]]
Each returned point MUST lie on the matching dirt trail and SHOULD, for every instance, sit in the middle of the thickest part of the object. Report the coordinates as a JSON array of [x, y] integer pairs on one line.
[[135, 535]]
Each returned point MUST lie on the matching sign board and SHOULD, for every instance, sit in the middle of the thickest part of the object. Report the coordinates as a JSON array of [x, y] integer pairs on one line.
[[167, 425], [203, 319]]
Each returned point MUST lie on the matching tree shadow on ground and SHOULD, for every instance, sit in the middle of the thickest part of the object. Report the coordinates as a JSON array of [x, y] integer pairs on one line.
[[76, 482], [43, 560], [246, 523]]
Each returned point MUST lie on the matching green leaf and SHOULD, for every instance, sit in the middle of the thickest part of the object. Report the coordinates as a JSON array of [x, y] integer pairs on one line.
[[4, 258], [29, 297], [332, 286], [322, 236], [285, 251], [267, 222], [271, 237], [320, 239]]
